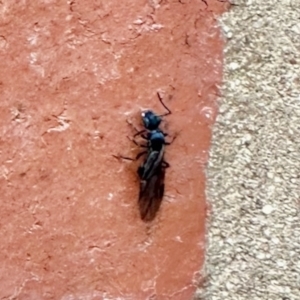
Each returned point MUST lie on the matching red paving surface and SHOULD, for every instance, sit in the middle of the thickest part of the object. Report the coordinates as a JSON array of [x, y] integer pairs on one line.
[[71, 74]]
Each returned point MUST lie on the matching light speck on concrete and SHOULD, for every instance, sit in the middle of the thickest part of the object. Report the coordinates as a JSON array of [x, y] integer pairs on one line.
[[253, 174]]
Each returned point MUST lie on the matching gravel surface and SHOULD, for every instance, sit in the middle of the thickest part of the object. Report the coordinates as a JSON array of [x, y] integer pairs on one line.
[[253, 174]]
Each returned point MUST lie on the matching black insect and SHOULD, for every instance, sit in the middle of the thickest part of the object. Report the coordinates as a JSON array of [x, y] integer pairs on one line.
[[152, 171]]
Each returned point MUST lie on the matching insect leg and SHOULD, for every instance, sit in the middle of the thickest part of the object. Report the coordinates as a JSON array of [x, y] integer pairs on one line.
[[204, 1], [140, 154], [128, 122], [123, 157], [169, 143], [165, 164], [164, 105], [129, 158], [138, 132], [136, 143]]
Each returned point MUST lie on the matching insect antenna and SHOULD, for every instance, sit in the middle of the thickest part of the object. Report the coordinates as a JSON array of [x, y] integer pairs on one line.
[[164, 105]]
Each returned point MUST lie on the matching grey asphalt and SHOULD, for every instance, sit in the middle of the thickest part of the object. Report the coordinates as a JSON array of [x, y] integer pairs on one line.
[[253, 233]]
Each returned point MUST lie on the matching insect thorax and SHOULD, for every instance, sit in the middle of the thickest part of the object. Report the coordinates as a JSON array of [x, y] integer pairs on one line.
[[156, 140]]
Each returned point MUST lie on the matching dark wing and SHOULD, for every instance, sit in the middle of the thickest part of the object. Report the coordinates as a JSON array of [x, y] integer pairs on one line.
[[151, 193], [151, 163]]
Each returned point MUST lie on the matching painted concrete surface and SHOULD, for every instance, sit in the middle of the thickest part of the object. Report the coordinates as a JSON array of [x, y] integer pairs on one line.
[[72, 73]]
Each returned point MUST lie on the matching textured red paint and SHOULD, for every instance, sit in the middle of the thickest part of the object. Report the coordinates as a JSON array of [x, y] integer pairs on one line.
[[71, 74]]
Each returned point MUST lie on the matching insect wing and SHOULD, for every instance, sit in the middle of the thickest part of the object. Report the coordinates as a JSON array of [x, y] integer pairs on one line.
[[152, 162], [151, 194]]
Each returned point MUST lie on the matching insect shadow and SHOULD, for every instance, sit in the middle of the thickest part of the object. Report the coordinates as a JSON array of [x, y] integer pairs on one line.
[[152, 170]]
